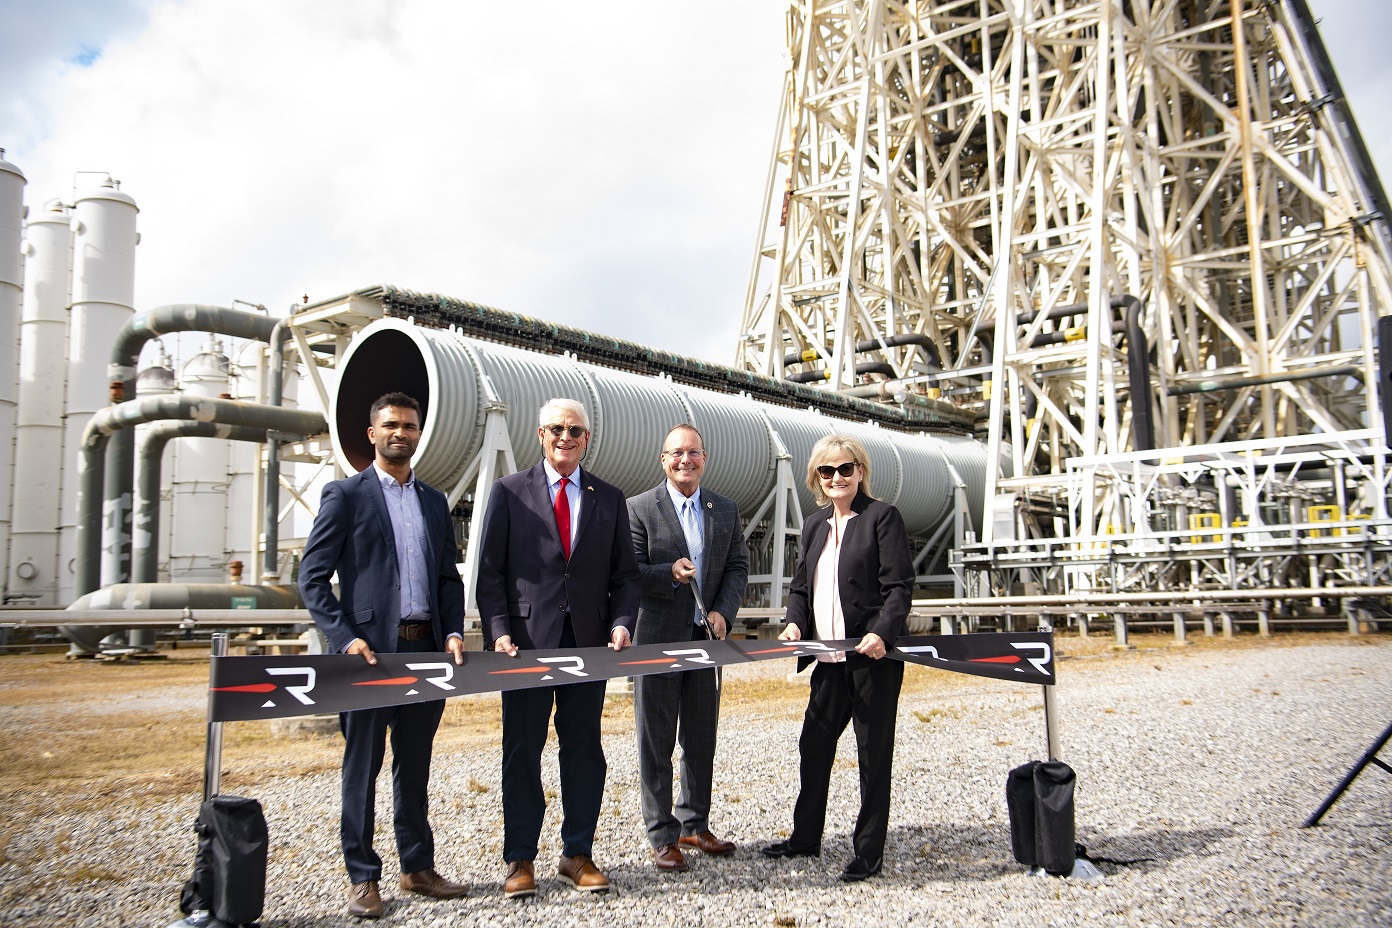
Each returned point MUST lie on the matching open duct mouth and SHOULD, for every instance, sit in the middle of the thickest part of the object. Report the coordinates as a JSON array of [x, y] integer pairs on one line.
[[387, 361]]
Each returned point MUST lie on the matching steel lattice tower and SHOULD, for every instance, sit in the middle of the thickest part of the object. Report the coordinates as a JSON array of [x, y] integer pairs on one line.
[[1142, 239]]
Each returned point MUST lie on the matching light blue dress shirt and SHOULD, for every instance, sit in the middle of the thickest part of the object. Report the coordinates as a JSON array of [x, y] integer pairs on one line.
[[408, 530]]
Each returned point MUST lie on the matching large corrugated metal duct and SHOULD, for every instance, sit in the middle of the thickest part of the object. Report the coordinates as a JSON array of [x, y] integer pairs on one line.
[[630, 414]]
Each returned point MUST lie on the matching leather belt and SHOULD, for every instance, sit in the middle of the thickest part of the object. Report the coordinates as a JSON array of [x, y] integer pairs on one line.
[[413, 631]]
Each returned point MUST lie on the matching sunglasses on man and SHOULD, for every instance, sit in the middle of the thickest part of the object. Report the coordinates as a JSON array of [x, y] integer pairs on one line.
[[558, 430], [826, 471]]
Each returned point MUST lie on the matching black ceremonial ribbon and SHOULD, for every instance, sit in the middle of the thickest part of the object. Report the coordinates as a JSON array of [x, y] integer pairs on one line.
[[280, 686]]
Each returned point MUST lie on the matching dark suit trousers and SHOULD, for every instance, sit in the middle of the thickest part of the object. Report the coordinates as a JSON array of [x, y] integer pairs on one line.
[[670, 708], [526, 717], [364, 748], [864, 692]]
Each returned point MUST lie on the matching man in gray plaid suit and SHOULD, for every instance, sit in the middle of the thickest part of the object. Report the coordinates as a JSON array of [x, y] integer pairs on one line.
[[691, 553]]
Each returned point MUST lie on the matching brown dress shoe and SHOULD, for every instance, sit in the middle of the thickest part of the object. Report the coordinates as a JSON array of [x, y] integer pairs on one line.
[[364, 901], [579, 871], [521, 880], [707, 843], [429, 883], [669, 858]]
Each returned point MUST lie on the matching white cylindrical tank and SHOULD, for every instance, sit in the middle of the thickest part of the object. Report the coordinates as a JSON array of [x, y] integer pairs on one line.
[[11, 294], [103, 297], [157, 379], [197, 551], [39, 460]]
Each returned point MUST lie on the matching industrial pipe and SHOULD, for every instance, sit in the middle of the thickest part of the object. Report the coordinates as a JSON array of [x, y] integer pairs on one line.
[[188, 596], [124, 416], [455, 378], [1053, 312], [1072, 334], [121, 373], [145, 553], [1236, 383], [1138, 369], [869, 344], [864, 367], [183, 596], [270, 559], [536, 335]]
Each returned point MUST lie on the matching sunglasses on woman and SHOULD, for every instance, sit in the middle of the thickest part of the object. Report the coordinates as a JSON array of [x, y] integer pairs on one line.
[[558, 430], [826, 471]]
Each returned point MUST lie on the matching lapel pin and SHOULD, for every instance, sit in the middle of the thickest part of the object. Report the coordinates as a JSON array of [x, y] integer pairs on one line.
[[590, 488]]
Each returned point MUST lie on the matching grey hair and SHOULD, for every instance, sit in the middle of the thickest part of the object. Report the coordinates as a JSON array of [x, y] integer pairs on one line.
[[574, 407]]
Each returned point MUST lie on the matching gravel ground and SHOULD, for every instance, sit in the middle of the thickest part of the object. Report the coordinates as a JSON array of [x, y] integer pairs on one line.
[[1205, 762]]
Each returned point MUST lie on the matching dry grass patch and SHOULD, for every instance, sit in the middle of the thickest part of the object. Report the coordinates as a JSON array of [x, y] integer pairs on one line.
[[136, 731]]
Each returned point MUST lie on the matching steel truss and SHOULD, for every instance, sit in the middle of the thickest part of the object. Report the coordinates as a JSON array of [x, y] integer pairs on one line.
[[1153, 222]]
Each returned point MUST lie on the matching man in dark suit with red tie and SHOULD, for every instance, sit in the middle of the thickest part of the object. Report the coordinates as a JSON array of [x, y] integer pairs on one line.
[[557, 570], [390, 540]]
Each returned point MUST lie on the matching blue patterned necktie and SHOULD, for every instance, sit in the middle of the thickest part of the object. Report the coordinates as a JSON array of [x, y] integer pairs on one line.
[[691, 526]]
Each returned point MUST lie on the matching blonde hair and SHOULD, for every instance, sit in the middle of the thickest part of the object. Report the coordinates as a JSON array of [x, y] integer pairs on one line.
[[574, 407], [825, 451]]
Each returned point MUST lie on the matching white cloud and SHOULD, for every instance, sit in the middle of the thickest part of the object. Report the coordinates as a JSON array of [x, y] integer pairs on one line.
[[596, 164], [41, 42], [600, 165]]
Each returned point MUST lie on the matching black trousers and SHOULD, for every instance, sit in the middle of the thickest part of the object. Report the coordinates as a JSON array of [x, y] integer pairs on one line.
[[864, 692], [412, 730], [526, 721]]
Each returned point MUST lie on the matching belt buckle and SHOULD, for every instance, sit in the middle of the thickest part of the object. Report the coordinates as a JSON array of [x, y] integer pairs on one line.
[[413, 631]]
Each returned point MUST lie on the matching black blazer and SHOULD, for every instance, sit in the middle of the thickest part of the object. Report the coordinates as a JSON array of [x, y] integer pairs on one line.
[[353, 535], [876, 571], [524, 581]]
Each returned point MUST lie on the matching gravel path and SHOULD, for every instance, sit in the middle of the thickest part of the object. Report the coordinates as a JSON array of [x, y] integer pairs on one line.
[[1205, 762]]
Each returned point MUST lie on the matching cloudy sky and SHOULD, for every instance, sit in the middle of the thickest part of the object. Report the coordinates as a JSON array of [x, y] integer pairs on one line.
[[596, 164]]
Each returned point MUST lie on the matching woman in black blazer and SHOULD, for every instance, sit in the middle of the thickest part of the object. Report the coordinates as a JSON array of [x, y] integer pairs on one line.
[[854, 579]]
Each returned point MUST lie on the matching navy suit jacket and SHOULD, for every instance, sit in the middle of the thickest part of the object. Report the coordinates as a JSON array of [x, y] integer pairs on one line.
[[353, 535], [524, 581], [876, 572]]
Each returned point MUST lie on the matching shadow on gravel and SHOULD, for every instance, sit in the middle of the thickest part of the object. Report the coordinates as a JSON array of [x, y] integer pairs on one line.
[[1160, 845], [914, 856]]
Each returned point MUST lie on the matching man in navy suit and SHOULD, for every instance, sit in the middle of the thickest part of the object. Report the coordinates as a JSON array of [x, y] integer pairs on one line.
[[390, 539], [556, 571]]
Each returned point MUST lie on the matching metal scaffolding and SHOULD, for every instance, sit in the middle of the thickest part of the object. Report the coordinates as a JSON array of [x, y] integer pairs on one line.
[[1142, 240]]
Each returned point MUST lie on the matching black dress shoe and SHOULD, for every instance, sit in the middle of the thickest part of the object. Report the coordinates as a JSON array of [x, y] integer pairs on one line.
[[858, 869], [789, 849]]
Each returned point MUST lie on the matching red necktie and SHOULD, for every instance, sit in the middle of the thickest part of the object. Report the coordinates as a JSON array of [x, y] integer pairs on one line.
[[563, 516]]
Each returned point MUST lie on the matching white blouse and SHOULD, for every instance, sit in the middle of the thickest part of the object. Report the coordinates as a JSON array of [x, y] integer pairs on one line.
[[827, 612]]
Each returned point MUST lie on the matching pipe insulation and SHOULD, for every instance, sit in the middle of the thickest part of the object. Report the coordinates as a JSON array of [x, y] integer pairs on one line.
[[114, 419], [126, 346], [184, 596], [454, 378], [145, 558]]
